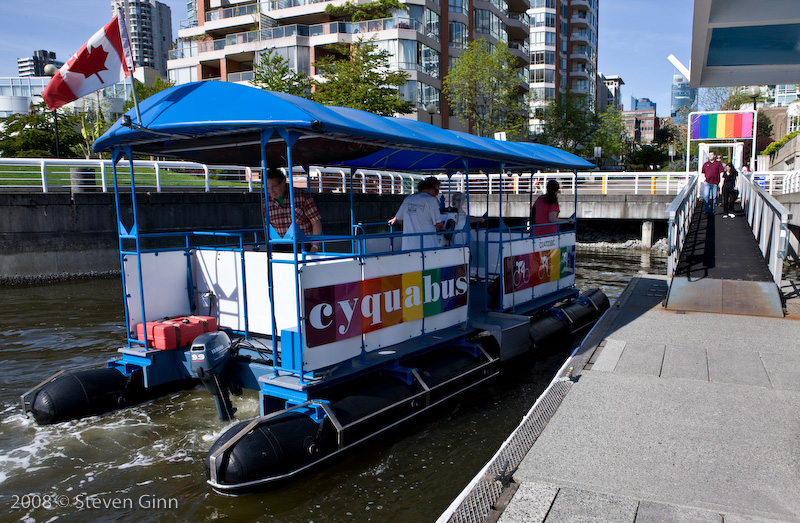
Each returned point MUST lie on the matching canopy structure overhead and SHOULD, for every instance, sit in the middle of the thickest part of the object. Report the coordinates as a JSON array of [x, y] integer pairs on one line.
[[222, 123], [742, 42]]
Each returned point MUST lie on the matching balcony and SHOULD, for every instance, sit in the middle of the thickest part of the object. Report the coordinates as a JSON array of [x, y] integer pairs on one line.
[[221, 14], [287, 31], [518, 26], [241, 76], [578, 20]]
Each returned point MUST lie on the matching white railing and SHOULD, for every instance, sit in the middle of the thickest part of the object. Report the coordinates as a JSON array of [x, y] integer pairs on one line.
[[791, 183], [46, 174], [679, 215], [769, 221]]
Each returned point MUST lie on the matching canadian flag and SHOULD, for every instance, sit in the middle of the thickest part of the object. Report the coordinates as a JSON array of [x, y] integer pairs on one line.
[[103, 61]]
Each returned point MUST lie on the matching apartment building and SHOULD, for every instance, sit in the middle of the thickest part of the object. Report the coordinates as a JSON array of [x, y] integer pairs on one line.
[[150, 31], [563, 46], [609, 92], [34, 65], [222, 39]]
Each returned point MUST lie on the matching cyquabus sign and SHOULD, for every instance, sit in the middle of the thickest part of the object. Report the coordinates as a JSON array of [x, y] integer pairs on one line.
[[345, 310]]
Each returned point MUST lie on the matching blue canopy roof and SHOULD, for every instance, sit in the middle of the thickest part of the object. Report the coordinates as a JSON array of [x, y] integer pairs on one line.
[[222, 123]]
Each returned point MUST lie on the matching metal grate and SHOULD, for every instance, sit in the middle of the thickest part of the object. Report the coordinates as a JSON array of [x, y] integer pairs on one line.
[[481, 499]]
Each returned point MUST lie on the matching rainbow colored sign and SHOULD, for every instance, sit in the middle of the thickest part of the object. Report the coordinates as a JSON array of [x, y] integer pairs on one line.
[[346, 310], [721, 126], [523, 271]]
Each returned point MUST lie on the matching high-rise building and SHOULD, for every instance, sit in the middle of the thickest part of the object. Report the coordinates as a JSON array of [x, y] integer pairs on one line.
[[609, 92], [34, 65], [222, 40], [563, 45], [150, 31], [642, 104], [682, 96]]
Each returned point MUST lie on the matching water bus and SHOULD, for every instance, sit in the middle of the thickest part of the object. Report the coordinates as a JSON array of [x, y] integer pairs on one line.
[[341, 344]]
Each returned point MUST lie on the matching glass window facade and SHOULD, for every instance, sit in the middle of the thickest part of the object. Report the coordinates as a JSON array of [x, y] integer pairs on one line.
[[458, 35]]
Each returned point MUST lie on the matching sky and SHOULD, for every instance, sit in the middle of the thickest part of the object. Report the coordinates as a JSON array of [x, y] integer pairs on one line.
[[634, 37]]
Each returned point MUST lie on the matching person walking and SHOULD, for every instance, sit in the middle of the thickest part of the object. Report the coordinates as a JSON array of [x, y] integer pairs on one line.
[[728, 190], [712, 170]]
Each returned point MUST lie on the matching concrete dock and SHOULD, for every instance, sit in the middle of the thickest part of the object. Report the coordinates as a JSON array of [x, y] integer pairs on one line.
[[670, 415], [674, 416]]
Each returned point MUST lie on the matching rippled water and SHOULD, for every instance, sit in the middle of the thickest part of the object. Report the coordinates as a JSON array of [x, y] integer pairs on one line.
[[146, 463]]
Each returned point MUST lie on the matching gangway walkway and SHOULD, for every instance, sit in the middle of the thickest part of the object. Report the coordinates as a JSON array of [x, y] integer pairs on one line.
[[722, 270], [727, 265]]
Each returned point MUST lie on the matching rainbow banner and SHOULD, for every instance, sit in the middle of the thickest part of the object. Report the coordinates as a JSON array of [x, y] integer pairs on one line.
[[722, 126]]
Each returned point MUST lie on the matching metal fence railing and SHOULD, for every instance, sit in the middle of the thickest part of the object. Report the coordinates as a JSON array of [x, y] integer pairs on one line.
[[769, 221], [679, 216], [49, 174]]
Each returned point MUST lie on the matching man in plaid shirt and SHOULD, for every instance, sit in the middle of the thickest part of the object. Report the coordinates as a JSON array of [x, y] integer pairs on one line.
[[280, 211]]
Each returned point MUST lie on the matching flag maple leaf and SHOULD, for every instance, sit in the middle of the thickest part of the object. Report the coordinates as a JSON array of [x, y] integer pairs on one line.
[[90, 61]]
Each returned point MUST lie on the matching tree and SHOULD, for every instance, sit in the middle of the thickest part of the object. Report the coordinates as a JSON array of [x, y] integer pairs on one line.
[[712, 98], [33, 134], [272, 73], [376, 10], [610, 134], [144, 92], [482, 88], [569, 123], [645, 157], [357, 75]]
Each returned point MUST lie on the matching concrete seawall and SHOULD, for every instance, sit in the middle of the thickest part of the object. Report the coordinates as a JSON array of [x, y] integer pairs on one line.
[[47, 236], [60, 235]]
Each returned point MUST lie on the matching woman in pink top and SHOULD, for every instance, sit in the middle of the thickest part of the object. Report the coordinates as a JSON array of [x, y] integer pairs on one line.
[[545, 210]]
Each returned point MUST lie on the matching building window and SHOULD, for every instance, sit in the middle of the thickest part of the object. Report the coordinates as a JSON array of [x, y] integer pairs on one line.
[[543, 20], [543, 75], [543, 57], [458, 35], [432, 24], [458, 6]]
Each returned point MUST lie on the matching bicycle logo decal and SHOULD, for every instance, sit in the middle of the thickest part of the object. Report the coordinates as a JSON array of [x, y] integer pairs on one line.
[[524, 271]]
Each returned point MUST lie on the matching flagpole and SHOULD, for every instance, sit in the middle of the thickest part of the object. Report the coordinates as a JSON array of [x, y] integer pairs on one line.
[[133, 82]]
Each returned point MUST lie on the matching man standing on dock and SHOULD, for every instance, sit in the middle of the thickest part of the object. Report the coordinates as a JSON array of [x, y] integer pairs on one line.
[[712, 170]]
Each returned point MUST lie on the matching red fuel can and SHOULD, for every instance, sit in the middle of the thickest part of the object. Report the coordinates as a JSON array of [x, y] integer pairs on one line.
[[172, 333]]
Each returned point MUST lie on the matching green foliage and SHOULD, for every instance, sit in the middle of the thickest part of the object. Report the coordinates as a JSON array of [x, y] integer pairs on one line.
[[774, 146], [358, 76], [645, 157], [142, 92], [33, 134], [763, 125], [353, 12], [569, 123], [272, 73], [610, 134], [482, 88]]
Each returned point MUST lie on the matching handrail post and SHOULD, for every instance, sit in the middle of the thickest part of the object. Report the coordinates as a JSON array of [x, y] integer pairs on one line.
[[208, 184], [43, 171]]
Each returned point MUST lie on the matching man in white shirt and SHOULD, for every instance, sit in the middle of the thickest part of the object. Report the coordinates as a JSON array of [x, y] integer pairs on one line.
[[419, 213]]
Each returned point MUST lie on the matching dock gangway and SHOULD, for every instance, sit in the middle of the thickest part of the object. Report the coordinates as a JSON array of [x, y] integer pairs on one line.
[[727, 265]]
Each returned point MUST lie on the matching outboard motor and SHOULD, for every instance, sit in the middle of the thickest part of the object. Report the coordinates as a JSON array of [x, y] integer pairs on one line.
[[210, 355]]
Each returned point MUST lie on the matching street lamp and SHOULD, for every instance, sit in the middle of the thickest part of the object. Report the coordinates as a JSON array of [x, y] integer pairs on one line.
[[51, 70], [754, 92], [431, 110]]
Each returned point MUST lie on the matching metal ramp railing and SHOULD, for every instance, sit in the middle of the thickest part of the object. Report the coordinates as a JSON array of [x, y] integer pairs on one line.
[[769, 221]]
